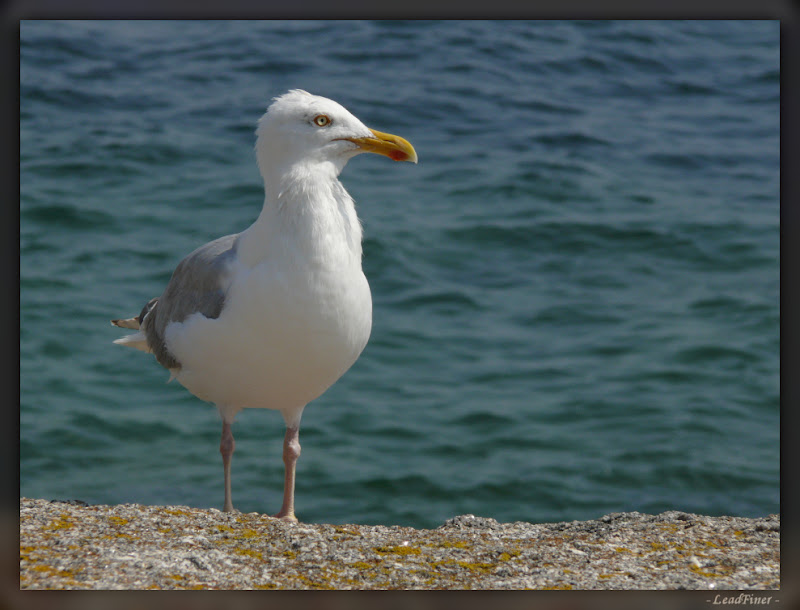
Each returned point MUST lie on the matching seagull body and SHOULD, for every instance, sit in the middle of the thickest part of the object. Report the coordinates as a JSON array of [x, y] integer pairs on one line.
[[271, 317]]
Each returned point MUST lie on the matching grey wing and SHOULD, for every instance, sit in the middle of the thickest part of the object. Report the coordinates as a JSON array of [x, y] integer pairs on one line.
[[198, 284]]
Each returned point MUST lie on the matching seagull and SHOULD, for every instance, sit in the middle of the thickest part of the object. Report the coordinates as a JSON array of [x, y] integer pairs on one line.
[[271, 317]]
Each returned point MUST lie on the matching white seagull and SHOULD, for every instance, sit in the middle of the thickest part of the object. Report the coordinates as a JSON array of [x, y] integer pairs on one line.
[[271, 317]]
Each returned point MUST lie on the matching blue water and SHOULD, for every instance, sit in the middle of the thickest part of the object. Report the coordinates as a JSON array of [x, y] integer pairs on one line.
[[576, 291]]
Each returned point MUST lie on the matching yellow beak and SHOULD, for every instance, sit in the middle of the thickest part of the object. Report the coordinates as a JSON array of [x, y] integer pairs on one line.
[[394, 147]]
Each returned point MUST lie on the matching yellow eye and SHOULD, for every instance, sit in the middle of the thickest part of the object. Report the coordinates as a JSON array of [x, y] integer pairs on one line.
[[321, 120]]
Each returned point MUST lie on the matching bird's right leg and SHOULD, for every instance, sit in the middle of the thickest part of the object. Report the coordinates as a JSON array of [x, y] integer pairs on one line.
[[226, 447]]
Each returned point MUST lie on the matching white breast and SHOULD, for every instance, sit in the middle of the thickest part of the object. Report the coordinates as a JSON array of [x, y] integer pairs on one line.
[[283, 338], [297, 314]]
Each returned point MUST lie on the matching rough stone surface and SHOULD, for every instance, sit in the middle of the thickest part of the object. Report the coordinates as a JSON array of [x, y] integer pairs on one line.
[[71, 545]]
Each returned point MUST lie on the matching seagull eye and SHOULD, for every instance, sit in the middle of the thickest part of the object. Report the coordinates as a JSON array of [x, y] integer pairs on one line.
[[322, 120]]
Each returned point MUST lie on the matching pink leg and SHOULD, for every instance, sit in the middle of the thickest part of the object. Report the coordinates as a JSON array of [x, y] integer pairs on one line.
[[291, 451], [226, 447]]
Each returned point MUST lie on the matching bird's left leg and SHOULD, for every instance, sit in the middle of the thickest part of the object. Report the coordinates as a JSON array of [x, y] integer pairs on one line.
[[291, 451]]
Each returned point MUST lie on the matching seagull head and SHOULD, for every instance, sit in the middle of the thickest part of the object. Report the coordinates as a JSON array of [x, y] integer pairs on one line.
[[299, 127]]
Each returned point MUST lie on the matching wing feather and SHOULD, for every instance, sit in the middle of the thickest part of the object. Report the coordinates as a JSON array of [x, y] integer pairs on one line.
[[198, 285]]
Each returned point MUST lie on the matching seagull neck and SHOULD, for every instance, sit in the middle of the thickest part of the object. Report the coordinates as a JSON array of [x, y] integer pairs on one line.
[[307, 214]]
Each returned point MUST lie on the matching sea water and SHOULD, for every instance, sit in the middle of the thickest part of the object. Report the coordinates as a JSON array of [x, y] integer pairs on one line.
[[576, 291]]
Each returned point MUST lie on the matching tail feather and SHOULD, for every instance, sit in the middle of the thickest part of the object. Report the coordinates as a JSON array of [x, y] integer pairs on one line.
[[136, 341], [132, 323], [136, 322]]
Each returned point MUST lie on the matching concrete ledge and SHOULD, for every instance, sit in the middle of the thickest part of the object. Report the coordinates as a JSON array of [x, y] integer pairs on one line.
[[69, 545]]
